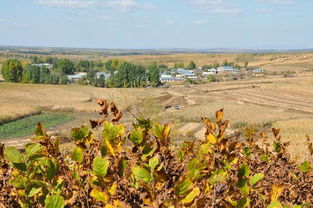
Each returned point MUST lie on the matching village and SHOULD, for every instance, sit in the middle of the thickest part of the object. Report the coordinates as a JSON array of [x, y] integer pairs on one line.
[[182, 74]]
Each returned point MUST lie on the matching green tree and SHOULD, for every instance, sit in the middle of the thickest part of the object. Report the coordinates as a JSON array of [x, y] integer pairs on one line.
[[154, 74], [225, 63], [91, 76], [179, 65], [191, 65], [12, 70], [45, 77], [84, 65], [66, 66], [129, 75], [63, 80], [246, 64], [113, 65], [31, 74]]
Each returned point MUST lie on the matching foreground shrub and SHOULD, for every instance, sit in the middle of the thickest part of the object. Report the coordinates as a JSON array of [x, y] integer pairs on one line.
[[141, 168]]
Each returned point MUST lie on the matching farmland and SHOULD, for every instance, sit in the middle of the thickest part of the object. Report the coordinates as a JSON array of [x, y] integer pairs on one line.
[[273, 101]]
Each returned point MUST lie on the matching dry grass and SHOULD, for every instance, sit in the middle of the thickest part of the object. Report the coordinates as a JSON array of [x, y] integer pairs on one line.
[[295, 131], [19, 100]]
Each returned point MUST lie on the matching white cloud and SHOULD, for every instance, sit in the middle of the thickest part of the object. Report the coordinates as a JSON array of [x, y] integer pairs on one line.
[[200, 22], [170, 22], [126, 5], [67, 3], [216, 6], [281, 2], [122, 4], [2, 20]]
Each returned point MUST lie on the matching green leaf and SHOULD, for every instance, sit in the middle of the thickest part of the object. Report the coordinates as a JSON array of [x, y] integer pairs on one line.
[[153, 162], [243, 186], [122, 167], [136, 136], [218, 176], [34, 191], [18, 181], [305, 167], [100, 166], [191, 196], [141, 174], [112, 131], [183, 187], [147, 151], [275, 204], [244, 170], [194, 168], [158, 129], [256, 178], [205, 149], [78, 155], [80, 133], [51, 166], [247, 151], [33, 149], [99, 195], [242, 203], [13, 155], [277, 147], [54, 202]]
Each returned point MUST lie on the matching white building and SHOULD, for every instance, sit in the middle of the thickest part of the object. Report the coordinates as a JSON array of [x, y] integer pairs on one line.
[[77, 76], [170, 78], [227, 69], [106, 75], [47, 65], [210, 72]]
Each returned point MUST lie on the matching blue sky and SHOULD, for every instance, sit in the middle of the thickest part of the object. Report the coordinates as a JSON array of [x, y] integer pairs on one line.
[[203, 24]]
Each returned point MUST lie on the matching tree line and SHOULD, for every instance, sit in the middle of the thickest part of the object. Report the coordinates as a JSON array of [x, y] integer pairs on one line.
[[122, 73]]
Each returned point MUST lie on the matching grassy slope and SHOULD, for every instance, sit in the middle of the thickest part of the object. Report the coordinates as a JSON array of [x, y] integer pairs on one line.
[[25, 127]]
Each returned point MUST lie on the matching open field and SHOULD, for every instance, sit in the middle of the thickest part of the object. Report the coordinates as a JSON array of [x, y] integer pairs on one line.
[[25, 126], [273, 62], [281, 102]]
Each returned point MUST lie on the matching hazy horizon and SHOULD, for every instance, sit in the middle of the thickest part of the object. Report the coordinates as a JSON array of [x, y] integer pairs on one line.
[[158, 24]]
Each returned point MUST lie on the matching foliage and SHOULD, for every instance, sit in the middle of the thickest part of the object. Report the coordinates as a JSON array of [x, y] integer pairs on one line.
[[66, 66], [191, 65], [31, 74], [151, 172], [12, 70], [154, 74]]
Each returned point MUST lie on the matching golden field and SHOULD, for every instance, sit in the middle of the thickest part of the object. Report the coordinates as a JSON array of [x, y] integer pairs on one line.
[[286, 103], [272, 100]]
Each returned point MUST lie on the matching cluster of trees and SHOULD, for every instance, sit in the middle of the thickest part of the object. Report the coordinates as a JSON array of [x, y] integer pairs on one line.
[[14, 71], [125, 74], [225, 63], [191, 66]]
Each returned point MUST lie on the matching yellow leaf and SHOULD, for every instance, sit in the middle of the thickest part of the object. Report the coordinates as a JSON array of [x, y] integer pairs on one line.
[[99, 195], [209, 124], [211, 138], [276, 191], [166, 130], [191, 196], [219, 115], [112, 190], [109, 206], [109, 146]]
